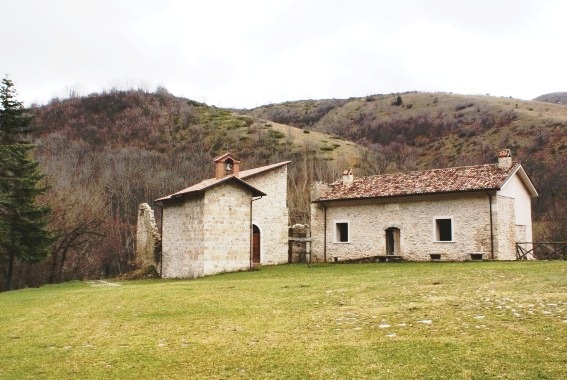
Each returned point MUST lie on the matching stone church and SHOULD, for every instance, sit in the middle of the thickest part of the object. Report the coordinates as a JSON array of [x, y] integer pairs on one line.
[[231, 222]]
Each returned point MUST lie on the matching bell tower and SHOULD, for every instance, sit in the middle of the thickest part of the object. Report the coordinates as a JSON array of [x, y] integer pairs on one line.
[[226, 165]]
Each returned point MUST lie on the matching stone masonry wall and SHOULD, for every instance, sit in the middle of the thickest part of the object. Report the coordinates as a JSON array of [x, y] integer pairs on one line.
[[270, 214], [414, 217], [226, 229], [317, 232], [182, 236]]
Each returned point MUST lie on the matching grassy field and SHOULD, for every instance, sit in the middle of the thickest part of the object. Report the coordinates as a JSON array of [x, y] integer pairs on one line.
[[481, 320]]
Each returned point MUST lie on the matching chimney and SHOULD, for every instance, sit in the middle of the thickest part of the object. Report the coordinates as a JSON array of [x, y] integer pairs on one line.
[[347, 177], [505, 159]]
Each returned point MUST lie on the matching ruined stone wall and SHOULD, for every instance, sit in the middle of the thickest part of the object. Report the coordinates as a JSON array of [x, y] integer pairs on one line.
[[270, 214], [148, 239], [226, 229], [414, 217], [182, 236]]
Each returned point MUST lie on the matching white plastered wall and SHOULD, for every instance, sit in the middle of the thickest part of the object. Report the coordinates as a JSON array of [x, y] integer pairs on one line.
[[514, 188]]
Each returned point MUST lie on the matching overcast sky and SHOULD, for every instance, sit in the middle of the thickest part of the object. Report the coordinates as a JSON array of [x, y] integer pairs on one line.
[[247, 53]]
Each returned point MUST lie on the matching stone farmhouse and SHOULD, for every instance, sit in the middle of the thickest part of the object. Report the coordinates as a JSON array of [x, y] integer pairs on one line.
[[231, 222], [460, 213]]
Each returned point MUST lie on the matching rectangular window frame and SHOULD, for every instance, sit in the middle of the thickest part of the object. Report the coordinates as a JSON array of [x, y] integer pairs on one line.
[[437, 233], [338, 230]]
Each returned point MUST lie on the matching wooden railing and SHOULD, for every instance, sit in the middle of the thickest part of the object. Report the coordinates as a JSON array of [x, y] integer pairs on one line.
[[541, 250]]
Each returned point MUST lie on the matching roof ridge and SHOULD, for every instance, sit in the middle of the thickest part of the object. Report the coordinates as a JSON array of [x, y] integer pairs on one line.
[[514, 163], [450, 167], [260, 169]]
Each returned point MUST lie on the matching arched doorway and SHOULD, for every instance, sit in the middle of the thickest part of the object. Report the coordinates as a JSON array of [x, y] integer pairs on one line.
[[393, 241], [255, 244]]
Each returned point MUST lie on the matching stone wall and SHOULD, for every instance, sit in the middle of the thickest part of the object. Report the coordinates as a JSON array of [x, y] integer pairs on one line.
[[317, 232], [414, 217], [226, 229], [182, 236], [148, 239], [207, 234], [270, 214]]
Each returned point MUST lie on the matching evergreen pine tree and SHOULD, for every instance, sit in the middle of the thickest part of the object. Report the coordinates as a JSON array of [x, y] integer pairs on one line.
[[13, 118], [24, 233]]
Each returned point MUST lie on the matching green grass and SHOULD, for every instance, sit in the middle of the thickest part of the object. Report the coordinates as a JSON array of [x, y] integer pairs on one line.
[[394, 321]]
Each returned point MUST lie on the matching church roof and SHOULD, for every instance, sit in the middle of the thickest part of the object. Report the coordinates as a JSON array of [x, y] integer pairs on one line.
[[252, 172], [210, 183], [435, 181]]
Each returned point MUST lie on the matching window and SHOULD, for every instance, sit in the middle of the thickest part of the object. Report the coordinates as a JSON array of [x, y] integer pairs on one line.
[[444, 229], [342, 232]]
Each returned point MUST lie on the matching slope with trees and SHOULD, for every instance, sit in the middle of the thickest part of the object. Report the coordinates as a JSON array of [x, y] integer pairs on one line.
[[103, 154], [424, 130]]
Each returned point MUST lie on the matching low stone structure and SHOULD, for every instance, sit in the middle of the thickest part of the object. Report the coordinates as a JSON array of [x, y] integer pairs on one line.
[[299, 243]]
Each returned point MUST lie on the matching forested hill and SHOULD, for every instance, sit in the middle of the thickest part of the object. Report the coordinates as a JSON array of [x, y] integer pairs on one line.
[[425, 130], [437, 129], [104, 154]]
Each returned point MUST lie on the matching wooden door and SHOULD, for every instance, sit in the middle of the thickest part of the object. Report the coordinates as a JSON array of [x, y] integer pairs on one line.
[[255, 244]]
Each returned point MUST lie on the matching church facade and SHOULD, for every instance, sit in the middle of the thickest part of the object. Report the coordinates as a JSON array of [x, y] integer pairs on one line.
[[231, 222]]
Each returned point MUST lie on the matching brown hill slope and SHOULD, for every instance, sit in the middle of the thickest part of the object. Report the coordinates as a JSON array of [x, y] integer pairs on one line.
[[554, 97], [452, 128], [424, 130]]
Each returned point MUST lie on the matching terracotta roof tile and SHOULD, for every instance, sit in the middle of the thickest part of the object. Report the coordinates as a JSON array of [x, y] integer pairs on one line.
[[209, 183], [449, 180]]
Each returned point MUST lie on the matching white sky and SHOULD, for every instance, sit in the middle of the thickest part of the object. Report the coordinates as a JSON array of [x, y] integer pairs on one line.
[[245, 53]]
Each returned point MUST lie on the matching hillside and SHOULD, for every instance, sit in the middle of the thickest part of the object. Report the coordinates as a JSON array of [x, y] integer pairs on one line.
[[554, 97], [425, 130], [105, 153], [441, 128], [163, 123]]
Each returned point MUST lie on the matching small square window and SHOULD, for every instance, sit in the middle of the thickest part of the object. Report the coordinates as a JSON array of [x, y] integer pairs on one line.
[[444, 229], [341, 232]]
